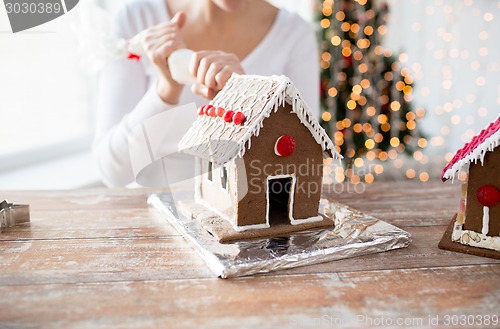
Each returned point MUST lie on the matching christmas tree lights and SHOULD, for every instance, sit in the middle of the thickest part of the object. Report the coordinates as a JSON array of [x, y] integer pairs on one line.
[[366, 93]]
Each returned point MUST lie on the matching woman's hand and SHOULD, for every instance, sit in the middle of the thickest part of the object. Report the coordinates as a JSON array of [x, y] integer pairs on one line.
[[159, 42], [212, 69]]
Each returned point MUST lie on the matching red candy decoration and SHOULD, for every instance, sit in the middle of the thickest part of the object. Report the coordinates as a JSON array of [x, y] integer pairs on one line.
[[285, 146], [210, 110], [228, 116], [134, 57], [239, 118], [488, 195], [201, 110], [207, 109], [219, 111]]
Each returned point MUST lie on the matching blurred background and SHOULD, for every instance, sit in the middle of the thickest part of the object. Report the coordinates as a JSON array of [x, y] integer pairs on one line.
[[404, 84]]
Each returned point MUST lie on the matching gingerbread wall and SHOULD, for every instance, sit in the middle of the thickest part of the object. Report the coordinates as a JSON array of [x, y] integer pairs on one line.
[[480, 175], [214, 194], [261, 162]]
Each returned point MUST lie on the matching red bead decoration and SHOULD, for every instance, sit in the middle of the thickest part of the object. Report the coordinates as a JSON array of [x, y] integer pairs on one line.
[[488, 195], [239, 118], [210, 110], [134, 57], [201, 110], [219, 111], [228, 116], [285, 146], [207, 109]]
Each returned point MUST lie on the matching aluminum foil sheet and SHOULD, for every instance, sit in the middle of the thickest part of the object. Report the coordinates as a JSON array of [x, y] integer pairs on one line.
[[354, 234]]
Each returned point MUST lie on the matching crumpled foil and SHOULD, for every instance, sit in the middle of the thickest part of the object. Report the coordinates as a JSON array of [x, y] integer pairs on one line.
[[354, 234]]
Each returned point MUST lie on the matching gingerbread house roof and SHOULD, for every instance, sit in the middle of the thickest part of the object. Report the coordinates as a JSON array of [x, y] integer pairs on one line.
[[487, 140], [256, 97]]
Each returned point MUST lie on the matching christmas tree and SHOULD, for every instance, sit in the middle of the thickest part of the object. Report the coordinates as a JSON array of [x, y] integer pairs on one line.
[[365, 92]]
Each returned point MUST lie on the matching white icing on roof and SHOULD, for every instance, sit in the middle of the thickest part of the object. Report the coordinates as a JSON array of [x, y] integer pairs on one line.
[[474, 151], [257, 97]]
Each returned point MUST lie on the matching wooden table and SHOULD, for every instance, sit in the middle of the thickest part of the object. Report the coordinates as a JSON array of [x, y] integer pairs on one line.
[[105, 259]]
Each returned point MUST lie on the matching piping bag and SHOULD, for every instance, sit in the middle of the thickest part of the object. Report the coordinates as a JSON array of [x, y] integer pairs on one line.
[[178, 61], [98, 44]]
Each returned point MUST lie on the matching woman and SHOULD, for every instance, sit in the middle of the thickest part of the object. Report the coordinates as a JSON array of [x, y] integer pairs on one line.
[[228, 36]]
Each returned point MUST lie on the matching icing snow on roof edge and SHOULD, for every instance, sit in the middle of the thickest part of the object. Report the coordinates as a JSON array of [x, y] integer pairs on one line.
[[284, 91], [487, 140]]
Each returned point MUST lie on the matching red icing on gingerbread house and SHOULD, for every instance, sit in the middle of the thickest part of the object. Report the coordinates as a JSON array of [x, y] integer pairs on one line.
[[478, 221]]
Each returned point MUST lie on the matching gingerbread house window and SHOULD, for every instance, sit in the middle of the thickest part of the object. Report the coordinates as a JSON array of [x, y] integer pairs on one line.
[[223, 177], [210, 170]]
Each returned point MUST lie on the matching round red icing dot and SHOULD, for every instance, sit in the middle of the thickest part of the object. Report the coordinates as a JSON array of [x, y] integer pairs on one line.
[[220, 111], [238, 118], [201, 110], [207, 109], [228, 116], [488, 195], [211, 111], [285, 146], [134, 57]]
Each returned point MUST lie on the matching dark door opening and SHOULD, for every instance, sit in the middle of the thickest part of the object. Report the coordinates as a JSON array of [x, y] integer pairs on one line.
[[279, 190]]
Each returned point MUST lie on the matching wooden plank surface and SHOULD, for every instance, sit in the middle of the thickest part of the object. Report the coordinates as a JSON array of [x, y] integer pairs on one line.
[[105, 259], [281, 301]]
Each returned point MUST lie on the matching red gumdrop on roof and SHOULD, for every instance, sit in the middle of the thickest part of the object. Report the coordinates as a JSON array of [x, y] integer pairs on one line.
[[219, 111], [239, 118], [211, 111], [201, 110], [488, 195], [228, 116], [207, 109]]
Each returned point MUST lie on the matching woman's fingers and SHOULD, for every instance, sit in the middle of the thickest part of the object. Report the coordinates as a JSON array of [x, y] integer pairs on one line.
[[223, 75], [212, 69], [208, 68], [195, 61], [159, 42], [179, 19], [162, 39], [164, 50], [199, 65]]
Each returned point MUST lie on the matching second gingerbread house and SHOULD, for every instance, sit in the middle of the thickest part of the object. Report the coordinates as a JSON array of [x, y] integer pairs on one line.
[[477, 224]]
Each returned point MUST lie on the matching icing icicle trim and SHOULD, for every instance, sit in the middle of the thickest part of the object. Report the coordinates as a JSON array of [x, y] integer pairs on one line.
[[474, 151], [257, 98]]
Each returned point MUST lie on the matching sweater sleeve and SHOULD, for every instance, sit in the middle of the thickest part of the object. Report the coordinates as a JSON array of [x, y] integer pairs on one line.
[[124, 101], [303, 67]]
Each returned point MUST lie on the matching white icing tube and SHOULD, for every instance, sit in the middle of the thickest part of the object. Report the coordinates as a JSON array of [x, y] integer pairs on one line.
[[135, 44], [178, 63], [486, 220]]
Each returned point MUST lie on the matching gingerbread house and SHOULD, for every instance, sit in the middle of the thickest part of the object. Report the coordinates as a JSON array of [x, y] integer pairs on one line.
[[259, 155], [477, 224]]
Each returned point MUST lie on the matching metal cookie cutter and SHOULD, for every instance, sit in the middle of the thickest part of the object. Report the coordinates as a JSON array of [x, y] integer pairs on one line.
[[13, 214]]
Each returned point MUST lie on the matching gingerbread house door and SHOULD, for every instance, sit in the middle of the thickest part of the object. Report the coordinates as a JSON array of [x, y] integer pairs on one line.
[[280, 192]]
